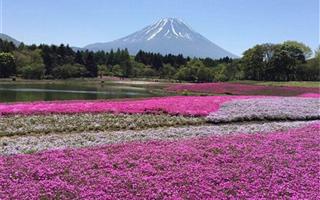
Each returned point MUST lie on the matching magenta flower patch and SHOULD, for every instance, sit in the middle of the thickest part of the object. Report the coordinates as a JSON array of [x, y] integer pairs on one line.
[[183, 105], [312, 95]]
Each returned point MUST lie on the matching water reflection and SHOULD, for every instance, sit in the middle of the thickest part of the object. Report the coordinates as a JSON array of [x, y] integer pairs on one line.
[[47, 92]]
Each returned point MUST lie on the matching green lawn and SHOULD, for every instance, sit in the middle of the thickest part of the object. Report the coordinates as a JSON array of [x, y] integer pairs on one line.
[[274, 83]]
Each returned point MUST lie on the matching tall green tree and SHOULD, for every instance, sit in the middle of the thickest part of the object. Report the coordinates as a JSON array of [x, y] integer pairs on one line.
[[301, 46], [273, 61], [26, 57], [195, 71], [7, 65]]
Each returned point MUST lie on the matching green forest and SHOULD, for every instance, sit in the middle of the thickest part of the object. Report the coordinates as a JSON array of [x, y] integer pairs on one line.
[[288, 61]]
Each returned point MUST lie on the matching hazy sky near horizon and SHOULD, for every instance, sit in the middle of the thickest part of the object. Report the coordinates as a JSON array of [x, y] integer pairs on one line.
[[235, 25]]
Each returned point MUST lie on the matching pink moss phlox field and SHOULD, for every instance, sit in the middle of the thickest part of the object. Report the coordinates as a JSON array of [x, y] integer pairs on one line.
[[311, 95], [184, 105], [242, 89], [280, 165]]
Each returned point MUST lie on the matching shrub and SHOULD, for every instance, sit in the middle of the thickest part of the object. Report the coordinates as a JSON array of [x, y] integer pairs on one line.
[[33, 71], [69, 71]]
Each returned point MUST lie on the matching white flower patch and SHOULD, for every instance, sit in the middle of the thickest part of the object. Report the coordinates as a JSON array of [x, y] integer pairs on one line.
[[286, 108]]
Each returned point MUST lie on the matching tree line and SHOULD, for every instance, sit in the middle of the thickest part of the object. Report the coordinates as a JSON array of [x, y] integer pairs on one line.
[[288, 61]]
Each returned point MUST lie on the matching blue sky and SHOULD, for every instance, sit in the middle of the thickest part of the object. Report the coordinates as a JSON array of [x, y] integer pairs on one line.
[[235, 25]]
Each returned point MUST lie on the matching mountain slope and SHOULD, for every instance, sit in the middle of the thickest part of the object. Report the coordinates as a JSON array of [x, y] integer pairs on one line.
[[10, 39], [169, 35]]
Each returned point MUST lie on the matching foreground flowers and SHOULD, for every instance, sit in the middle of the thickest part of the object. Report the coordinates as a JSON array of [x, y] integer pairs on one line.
[[277, 165]]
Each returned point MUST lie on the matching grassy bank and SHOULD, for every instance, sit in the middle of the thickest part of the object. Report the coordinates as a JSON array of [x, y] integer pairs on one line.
[[150, 81], [275, 83]]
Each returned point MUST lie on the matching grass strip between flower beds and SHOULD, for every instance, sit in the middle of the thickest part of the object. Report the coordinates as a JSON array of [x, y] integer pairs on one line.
[[86, 122], [35, 143], [242, 89]]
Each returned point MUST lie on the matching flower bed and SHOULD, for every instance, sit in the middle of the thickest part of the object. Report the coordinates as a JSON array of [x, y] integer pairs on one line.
[[285, 108], [66, 123], [190, 106], [242, 89], [312, 95], [282, 165], [33, 143]]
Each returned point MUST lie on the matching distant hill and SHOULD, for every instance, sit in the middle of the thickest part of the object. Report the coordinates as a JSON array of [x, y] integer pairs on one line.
[[10, 39], [168, 35]]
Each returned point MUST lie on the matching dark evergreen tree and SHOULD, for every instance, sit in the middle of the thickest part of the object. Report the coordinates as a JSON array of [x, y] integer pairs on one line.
[[110, 60], [48, 59], [91, 65], [6, 46], [79, 58]]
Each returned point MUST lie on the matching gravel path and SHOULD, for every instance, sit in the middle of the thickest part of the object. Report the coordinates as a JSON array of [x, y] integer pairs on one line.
[[35, 143]]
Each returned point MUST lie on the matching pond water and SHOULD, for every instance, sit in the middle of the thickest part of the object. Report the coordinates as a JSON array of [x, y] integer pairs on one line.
[[11, 92]]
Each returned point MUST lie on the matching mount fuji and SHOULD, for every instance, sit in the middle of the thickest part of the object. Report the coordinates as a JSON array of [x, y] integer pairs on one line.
[[168, 35]]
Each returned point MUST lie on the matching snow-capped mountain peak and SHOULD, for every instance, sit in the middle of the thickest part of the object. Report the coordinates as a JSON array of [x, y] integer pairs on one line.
[[166, 27], [168, 35], [169, 27]]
